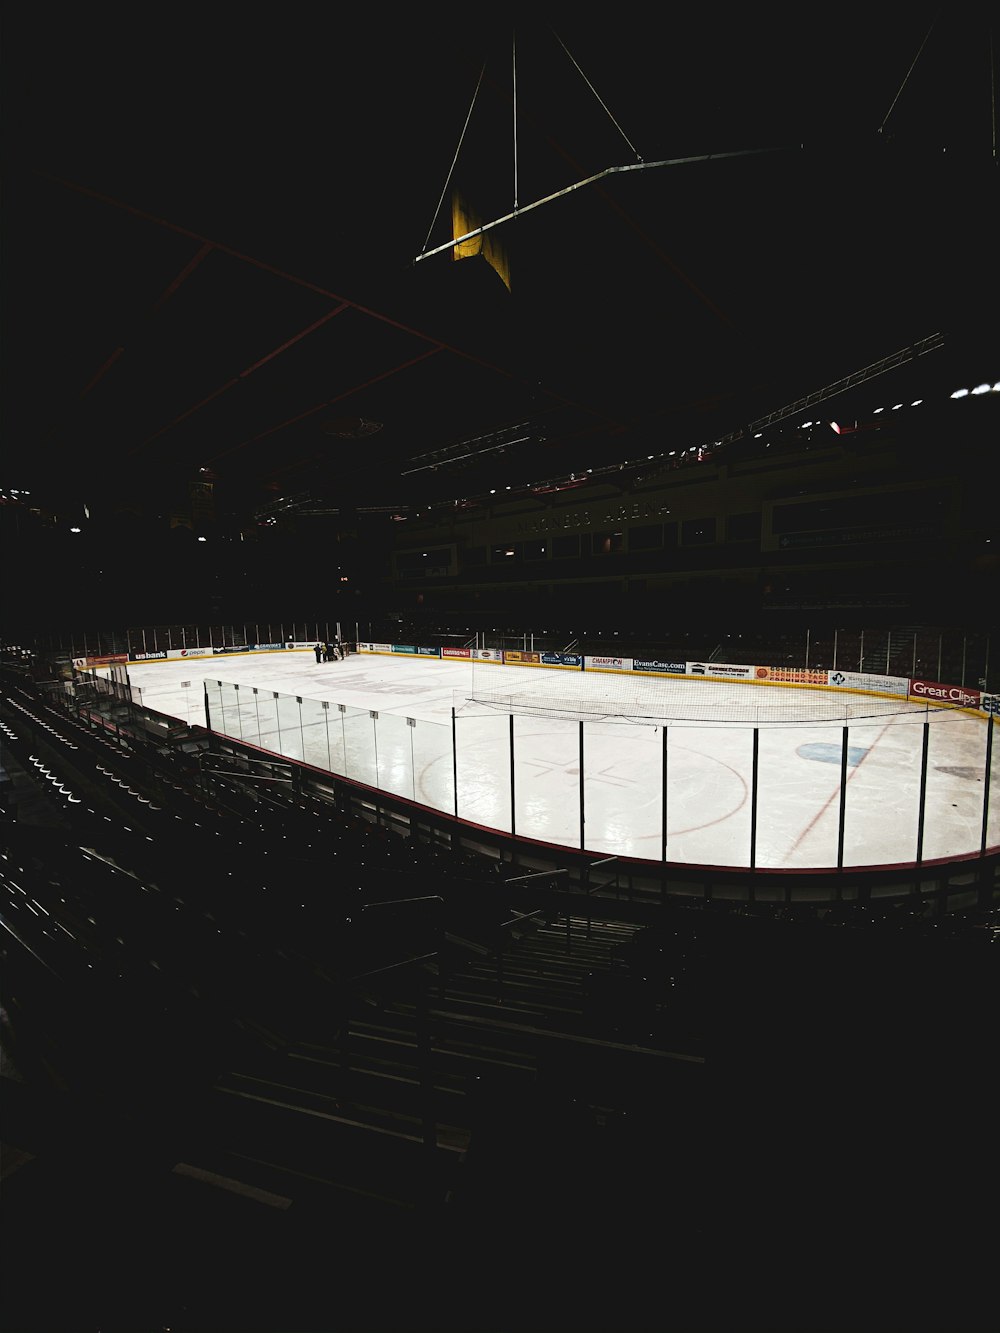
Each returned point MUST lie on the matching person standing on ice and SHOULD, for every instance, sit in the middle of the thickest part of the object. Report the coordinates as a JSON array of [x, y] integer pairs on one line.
[[318, 650]]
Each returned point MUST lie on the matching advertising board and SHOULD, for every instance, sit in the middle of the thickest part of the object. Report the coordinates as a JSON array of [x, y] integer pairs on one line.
[[404, 648], [658, 665], [516, 657], [429, 652], [562, 660], [148, 657], [933, 691], [487, 654], [790, 675], [456, 652], [607, 663], [725, 670], [857, 680]]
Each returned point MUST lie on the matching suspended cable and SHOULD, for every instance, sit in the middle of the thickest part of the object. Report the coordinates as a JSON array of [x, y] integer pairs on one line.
[[909, 71], [513, 67], [638, 156], [993, 97], [608, 171], [458, 149]]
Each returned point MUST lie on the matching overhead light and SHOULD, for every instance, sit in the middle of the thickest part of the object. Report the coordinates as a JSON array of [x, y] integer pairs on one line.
[[493, 492], [960, 393], [758, 435], [806, 425], [897, 407], [203, 539], [835, 427], [996, 389], [74, 529], [877, 410], [981, 388], [916, 402]]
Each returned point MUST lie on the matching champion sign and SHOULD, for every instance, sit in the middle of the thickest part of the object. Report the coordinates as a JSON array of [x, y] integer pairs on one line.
[[956, 695]]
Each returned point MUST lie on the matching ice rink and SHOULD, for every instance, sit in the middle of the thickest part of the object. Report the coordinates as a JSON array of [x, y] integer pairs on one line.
[[387, 722]]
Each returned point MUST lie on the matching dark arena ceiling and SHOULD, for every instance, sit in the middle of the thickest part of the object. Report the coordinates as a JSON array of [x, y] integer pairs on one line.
[[211, 220]]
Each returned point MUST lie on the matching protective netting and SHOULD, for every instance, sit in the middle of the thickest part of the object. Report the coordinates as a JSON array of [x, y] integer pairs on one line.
[[652, 702]]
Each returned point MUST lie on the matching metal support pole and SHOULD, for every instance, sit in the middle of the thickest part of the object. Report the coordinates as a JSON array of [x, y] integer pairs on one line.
[[806, 662], [753, 798], [512, 821], [913, 666], [888, 650], [986, 784], [835, 650], [582, 806], [861, 652], [923, 792], [940, 649], [454, 760], [964, 643], [663, 800], [843, 803], [208, 714]]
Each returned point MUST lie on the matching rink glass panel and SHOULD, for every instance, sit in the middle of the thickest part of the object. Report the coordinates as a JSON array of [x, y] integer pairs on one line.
[[267, 721], [482, 756], [394, 755], [433, 782], [229, 711], [623, 789], [798, 795], [708, 794], [882, 805], [314, 715], [546, 779], [358, 731], [956, 785]]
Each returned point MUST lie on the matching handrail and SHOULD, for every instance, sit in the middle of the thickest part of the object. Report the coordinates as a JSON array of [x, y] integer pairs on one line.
[[392, 902], [520, 916], [391, 967], [537, 874]]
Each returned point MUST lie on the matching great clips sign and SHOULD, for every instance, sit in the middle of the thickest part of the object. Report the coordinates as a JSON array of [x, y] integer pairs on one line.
[[934, 692]]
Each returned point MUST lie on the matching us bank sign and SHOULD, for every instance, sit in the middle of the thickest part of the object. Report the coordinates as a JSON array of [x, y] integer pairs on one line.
[[587, 518]]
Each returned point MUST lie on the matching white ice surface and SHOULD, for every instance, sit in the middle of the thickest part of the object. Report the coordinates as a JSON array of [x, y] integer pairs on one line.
[[709, 762]]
